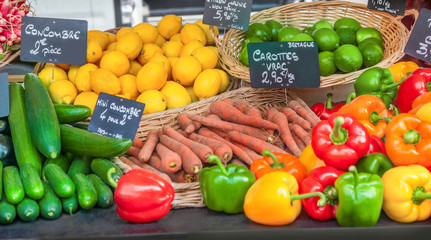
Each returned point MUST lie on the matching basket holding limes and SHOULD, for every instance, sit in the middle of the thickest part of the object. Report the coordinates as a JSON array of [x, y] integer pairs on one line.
[[344, 46]]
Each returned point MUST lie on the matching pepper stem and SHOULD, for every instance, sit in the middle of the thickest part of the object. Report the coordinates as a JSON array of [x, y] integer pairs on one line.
[[411, 137], [350, 97], [390, 86], [214, 158], [419, 195], [328, 104], [375, 118], [355, 172], [396, 110], [276, 163], [320, 203], [339, 135], [331, 195], [113, 182]]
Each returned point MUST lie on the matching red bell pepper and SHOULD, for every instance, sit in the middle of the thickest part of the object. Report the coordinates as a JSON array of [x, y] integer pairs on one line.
[[340, 141], [143, 196], [416, 84], [323, 111], [321, 179], [376, 145]]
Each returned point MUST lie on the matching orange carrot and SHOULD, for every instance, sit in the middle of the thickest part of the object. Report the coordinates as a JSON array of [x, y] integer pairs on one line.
[[300, 132], [128, 162], [310, 117], [190, 162], [228, 101], [181, 177], [252, 111], [253, 143], [133, 151], [149, 145], [137, 142], [196, 177], [183, 121], [293, 117], [241, 105], [253, 155], [230, 113], [299, 142], [150, 168], [239, 162], [223, 151], [155, 161], [171, 161]]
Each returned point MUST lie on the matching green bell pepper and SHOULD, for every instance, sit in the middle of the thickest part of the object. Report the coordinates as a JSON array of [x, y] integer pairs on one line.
[[224, 188], [376, 163], [360, 199], [379, 82]]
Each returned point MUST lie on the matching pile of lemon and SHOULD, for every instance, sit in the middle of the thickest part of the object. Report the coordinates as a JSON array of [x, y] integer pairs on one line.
[[164, 66]]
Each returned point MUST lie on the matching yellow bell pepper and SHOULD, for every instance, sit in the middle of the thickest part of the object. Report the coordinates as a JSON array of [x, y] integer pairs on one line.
[[406, 193], [309, 159], [273, 199], [399, 70], [423, 112]]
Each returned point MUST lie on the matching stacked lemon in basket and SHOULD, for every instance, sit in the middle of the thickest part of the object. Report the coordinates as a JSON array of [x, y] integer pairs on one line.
[[165, 66]]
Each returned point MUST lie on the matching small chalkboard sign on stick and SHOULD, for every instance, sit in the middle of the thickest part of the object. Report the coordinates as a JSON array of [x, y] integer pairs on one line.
[[4, 95], [228, 13], [394, 7], [419, 43], [53, 40], [116, 117], [284, 64]]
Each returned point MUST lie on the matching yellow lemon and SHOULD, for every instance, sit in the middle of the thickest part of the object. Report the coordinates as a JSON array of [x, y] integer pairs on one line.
[[192, 94], [71, 74], [82, 79], [206, 57], [111, 37], [173, 60], [135, 66], [147, 32], [185, 70], [225, 81], [49, 65], [172, 48], [130, 44], [111, 46], [49, 75], [207, 84], [94, 51], [166, 64], [122, 32], [154, 101], [104, 54], [62, 92], [128, 86], [148, 50], [103, 80], [116, 62], [123, 96], [99, 37], [190, 47], [160, 40], [65, 67], [176, 37], [206, 28], [192, 31], [152, 75], [175, 94], [87, 98], [169, 25]]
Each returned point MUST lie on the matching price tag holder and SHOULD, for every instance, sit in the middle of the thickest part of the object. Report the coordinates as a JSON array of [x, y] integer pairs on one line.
[[284, 64], [4, 95], [116, 117], [53, 40], [419, 43], [228, 13], [394, 7]]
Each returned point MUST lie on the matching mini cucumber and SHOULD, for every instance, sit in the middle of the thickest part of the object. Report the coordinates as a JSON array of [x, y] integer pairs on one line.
[[67, 113], [13, 188], [107, 171], [63, 161], [105, 197], [86, 193], [70, 204], [31, 181], [50, 204], [80, 164], [28, 210], [59, 181], [7, 211]]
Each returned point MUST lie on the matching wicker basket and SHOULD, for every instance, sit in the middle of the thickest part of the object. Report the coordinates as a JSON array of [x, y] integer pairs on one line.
[[189, 194], [302, 15]]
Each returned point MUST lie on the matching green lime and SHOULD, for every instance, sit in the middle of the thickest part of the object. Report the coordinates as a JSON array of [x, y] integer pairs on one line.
[[258, 30], [347, 22], [243, 56], [348, 58], [326, 63], [368, 32], [275, 27], [287, 33], [302, 37], [374, 40], [327, 39], [308, 30], [347, 36], [322, 24], [250, 40], [372, 53]]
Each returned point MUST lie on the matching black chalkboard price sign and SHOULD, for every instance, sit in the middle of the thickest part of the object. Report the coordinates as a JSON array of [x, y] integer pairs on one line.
[[228, 13], [116, 117], [284, 64], [419, 43], [53, 40], [394, 7], [4, 95]]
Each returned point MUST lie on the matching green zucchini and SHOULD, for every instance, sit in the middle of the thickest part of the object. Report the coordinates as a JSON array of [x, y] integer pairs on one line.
[[70, 204], [107, 171], [31, 181], [6, 146], [7, 211], [63, 161], [50, 204], [105, 197], [25, 150], [83, 142], [13, 188], [28, 210], [86, 193], [44, 126], [59, 181], [80, 164], [67, 113]]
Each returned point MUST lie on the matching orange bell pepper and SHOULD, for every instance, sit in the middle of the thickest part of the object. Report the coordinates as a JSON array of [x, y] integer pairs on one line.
[[408, 140], [400, 70], [422, 111], [371, 111], [309, 159], [422, 99]]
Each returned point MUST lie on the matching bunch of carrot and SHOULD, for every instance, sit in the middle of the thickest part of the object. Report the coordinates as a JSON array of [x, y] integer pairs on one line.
[[235, 132]]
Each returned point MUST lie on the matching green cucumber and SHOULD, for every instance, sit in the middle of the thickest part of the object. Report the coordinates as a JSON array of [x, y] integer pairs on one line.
[[70, 204], [7, 211], [44, 126], [83, 142], [50, 204], [107, 171], [87, 195], [31, 181], [80, 164], [28, 210], [59, 181], [13, 188], [63, 161], [25, 150], [105, 197], [67, 113]]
